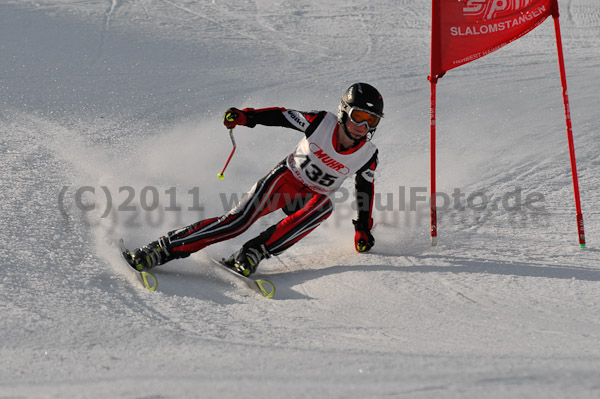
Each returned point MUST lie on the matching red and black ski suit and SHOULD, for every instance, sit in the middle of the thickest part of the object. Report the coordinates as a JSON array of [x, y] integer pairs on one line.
[[306, 205]]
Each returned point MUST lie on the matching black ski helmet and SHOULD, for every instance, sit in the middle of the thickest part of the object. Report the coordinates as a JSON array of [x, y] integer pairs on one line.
[[362, 96]]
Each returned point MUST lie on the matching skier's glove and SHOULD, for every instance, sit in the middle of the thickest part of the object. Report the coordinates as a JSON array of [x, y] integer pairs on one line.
[[234, 117], [363, 239]]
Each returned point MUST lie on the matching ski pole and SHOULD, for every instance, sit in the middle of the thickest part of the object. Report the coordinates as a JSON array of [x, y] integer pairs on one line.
[[222, 174]]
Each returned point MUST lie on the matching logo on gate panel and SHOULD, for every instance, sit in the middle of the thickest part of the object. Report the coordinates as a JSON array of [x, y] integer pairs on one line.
[[490, 9], [327, 160]]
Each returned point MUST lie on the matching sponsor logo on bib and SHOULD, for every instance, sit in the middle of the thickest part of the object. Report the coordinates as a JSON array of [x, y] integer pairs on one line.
[[327, 160]]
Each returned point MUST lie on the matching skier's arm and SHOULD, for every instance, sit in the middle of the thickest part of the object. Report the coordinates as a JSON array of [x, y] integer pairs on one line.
[[365, 196], [275, 116]]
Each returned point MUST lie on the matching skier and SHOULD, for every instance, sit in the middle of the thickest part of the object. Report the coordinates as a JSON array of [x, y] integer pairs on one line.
[[333, 148]]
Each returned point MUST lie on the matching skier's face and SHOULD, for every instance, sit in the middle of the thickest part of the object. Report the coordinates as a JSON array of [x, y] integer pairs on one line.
[[356, 132]]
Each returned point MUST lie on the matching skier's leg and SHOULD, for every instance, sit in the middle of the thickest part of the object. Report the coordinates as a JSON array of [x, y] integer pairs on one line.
[[209, 231], [281, 236], [261, 199]]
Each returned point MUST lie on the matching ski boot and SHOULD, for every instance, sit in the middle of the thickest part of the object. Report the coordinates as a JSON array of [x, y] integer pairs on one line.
[[246, 260], [151, 255]]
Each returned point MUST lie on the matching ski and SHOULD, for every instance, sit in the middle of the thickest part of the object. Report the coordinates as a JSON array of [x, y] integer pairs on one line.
[[150, 282], [261, 286], [147, 280]]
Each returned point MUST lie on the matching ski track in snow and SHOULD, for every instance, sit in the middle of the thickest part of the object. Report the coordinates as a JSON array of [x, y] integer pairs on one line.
[[120, 96], [110, 13]]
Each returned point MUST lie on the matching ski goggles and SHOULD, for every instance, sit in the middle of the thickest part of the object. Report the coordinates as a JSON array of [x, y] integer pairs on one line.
[[362, 117]]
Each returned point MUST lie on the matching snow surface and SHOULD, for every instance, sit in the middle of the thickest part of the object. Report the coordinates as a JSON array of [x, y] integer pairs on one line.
[[119, 102]]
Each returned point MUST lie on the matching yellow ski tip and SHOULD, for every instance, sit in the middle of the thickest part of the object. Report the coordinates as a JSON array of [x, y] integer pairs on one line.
[[149, 281], [266, 287]]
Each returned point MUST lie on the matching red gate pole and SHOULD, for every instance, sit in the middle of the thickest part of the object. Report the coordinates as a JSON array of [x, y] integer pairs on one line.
[[436, 73], [563, 79], [432, 198]]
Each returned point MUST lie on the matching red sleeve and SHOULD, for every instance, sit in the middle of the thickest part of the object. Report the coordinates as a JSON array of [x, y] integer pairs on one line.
[[365, 192], [278, 116]]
